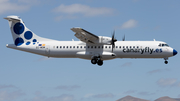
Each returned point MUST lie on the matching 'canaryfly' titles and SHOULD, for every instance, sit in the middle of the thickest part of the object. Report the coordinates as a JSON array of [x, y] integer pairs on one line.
[[143, 50]]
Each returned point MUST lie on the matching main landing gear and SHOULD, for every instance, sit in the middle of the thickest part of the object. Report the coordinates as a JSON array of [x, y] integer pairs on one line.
[[97, 60], [166, 62]]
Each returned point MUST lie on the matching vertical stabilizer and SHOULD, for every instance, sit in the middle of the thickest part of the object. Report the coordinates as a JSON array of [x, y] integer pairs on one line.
[[21, 34]]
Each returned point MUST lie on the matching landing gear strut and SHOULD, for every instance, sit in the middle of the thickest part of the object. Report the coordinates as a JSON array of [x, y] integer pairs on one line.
[[166, 62], [97, 60]]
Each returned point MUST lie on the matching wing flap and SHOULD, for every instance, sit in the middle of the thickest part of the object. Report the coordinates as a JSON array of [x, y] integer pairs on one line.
[[84, 35]]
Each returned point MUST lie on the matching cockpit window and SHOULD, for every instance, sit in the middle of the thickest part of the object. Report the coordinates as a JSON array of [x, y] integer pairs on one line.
[[163, 45], [166, 45]]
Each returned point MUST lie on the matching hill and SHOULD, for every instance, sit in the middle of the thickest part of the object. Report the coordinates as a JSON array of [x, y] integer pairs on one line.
[[130, 98]]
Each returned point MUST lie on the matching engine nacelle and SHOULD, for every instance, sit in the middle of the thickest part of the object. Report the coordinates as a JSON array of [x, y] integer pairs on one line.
[[104, 40]]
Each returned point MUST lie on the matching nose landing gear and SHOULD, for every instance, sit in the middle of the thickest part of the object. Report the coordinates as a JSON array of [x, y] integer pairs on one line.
[[166, 62]]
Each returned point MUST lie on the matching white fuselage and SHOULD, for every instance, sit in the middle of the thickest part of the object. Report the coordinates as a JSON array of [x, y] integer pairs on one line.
[[79, 49]]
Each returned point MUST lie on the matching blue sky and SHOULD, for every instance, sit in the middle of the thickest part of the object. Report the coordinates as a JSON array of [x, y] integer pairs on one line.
[[29, 77]]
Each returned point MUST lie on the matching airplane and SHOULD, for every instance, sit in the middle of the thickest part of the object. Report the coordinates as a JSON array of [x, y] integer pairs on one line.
[[90, 47]]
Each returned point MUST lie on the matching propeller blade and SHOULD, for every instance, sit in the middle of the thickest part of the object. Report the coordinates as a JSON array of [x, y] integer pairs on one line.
[[123, 38], [113, 40], [113, 34]]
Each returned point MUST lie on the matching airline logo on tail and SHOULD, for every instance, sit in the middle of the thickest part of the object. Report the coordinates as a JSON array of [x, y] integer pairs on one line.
[[21, 34]]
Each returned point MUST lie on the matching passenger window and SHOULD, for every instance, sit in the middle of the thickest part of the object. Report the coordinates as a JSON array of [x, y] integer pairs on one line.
[[98, 46], [116, 46], [84, 46], [77, 46], [106, 47], [63, 46], [119, 46], [67, 47], [91, 46], [126, 46], [133, 46], [102, 47], [73, 46], [70, 46], [123, 46], [57, 47], [88, 46], [109, 46], [137, 46], [130, 47], [81, 46], [94, 46], [60, 47]]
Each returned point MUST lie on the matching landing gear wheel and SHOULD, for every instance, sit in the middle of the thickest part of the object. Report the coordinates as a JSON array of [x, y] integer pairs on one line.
[[94, 61], [166, 62], [100, 62]]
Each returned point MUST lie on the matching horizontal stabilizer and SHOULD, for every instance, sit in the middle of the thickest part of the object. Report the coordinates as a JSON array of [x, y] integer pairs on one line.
[[13, 18]]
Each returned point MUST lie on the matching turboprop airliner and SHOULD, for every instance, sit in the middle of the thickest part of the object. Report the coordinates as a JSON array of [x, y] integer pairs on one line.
[[90, 47]]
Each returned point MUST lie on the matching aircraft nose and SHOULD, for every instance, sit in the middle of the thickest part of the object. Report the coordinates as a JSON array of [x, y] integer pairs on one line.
[[174, 52]]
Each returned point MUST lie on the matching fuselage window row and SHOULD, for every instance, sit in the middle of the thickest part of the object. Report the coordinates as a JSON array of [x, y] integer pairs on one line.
[[95, 47]]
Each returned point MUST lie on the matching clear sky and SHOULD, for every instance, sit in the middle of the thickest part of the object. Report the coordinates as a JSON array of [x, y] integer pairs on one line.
[[29, 77]]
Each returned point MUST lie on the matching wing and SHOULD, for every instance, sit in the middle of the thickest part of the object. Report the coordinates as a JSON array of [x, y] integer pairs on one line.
[[85, 36]]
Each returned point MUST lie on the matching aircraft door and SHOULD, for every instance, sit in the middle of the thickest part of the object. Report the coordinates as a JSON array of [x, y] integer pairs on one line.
[[47, 50]]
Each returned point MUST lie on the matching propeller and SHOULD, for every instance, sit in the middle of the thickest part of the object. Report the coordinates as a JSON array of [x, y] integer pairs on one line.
[[113, 41]]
